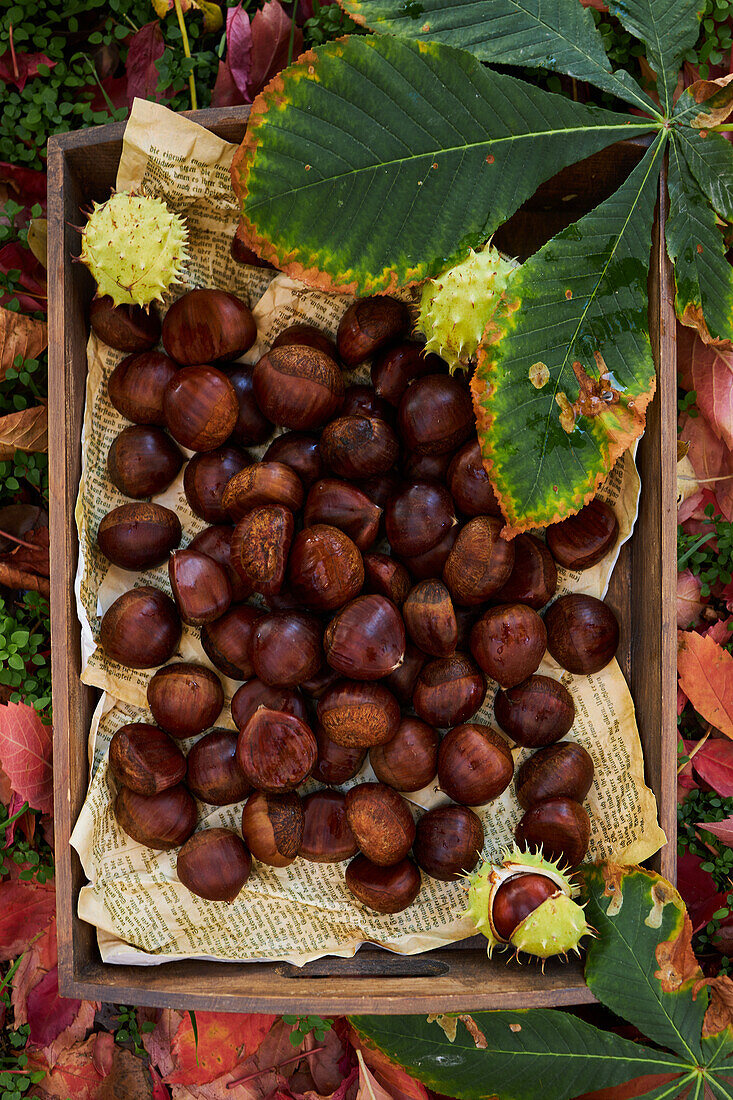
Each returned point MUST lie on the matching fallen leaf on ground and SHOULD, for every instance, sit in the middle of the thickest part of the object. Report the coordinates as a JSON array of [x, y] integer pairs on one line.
[[705, 672], [128, 1079], [213, 19], [369, 1087], [714, 764], [26, 186], [103, 1053], [224, 1040], [32, 291], [145, 47], [270, 44], [689, 601], [20, 335], [74, 1077], [158, 1042], [26, 430], [21, 579], [38, 239], [394, 1078], [720, 1010], [722, 829], [25, 755], [239, 47], [33, 556], [22, 67], [709, 371], [25, 909]]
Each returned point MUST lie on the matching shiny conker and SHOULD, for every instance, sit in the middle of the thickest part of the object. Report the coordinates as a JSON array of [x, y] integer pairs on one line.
[[252, 426], [365, 640], [475, 764], [254, 694], [286, 648], [185, 698], [298, 386], [368, 325], [582, 633], [213, 774], [200, 586], [214, 864], [272, 827], [325, 570], [358, 714], [538, 712], [415, 467], [276, 751], [216, 543], [201, 407], [145, 759], [124, 327], [469, 482], [380, 488], [448, 842], [141, 629], [448, 690], [300, 451], [262, 483], [516, 898], [558, 826], [564, 770], [410, 760], [143, 461], [508, 642], [580, 541], [383, 889], [363, 401], [336, 763], [402, 681], [327, 836], [396, 366], [205, 479], [533, 579], [430, 618], [418, 517], [432, 562], [139, 536], [480, 561], [435, 415], [227, 640], [381, 821], [305, 336], [260, 547], [161, 821], [208, 326], [136, 385], [358, 446], [342, 505], [387, 577]]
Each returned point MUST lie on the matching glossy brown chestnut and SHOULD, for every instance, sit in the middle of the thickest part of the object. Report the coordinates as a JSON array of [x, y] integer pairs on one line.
[[368, 325], [336, 763], [432, 562], [323, 679], [516, 898], [538, 712], [414, 467], [449, 841], [559, 826], [286, 648], [161, 821], [276, 751], [262, 483], [208, 326], [243, 254], [449, 690], [533, 579], [216, 543], [430, 618], [141, 629], [358, 446], [300, 451], [363, 401], [145, 759], [358, 714], [365, 640], [380, 487], [306, 336], [381, 821], [564, 770], [418, 517], [298, 387], [325, 570], [327, 836], [200, 586], [260, 547], [582, 633], [387, 577], [579, 541], [252, 426], [272, 827], [226, 641], [205, 479], [200, 407], [383, 889], [435, 415], [214, 864], [474, 764], [410, 760], [466, 619], [185, 698], [396, 366], [402, 681], [136, 386], [480, 561], [213, 774], [342, 505], [139, 536], [508, 643], [469, 483], [143, 461], [254, 694], [125, 327]]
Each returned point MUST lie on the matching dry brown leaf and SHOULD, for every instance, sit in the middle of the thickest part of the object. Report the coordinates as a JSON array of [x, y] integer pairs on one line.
[[704, 90], [20, 335], [24, 431], [11, 577]]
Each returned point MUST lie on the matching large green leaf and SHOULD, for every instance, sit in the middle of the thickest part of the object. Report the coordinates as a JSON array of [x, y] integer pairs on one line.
[[577, 336], [641, 966], [557, 34], [695, 244], [668, 29], [710, 159], [527, 1054], [376, 161]]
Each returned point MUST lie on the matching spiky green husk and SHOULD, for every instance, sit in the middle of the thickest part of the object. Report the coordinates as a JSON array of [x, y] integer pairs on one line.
[[553, 928], [457, 305], [134, 247]]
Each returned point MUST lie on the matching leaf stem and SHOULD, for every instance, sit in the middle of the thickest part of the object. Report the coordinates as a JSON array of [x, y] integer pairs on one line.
[[14, 538], [269, 1069], [10, 820], [696, 749], [187, 51], [11, 43], [103, 90]]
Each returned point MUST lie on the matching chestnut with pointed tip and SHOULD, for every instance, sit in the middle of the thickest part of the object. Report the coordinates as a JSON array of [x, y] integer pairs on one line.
[[358, 714], [200, 586], [252, 426], [582, 540], [480, 561], [325, 569], [336, 763], [161, 821], [299, 451], [272, 827], [327, 836], [448, 691], [342, 505], [216, 543], [185, 698], [214, 864], [145, 759], [254, 694], [363, 401], [141, 629], [125, 327], [383, 889], [136, 386], [508, 642], [418, 517], [469, 482], [208, 326], [564, 770], [298, 386], [402, 681], [276, 751], [365, 640], [533, 579], [368, 325], [139, 536], [397, 366], [143, 461], [201, 407], [286, 648], [213, 774], [435, 415], [475, 764], [260, 547], [537, 712], [410, 760], [358, 446], [381, 821], [415, 467], [262, 483], [227, 640], [582, 633], [206, 477], [558, 826], [386, 576], [448, 842], [430, 618]]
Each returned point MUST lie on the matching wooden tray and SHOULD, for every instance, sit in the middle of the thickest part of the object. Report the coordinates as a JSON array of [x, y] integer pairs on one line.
[[82, 166]]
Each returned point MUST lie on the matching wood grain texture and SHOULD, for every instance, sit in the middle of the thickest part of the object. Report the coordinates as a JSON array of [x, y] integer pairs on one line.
[[82, 166]]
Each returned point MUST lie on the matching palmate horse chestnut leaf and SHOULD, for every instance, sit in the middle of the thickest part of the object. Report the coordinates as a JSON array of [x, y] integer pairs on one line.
[[554, 414]]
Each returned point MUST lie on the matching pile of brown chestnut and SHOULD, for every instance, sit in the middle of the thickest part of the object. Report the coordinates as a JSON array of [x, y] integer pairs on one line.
[[355, 650]]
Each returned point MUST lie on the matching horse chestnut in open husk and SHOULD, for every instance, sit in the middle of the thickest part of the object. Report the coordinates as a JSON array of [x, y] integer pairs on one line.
[[214, 864]]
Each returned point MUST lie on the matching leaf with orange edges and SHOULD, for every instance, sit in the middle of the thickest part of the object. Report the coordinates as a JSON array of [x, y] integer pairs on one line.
[[224, 1040], [705, 672]]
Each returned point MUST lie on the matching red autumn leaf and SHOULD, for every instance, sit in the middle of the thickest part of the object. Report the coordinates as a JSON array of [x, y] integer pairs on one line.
[[270, 45], [226, 93], [396, 1080], [160, 1092], [34, 555], [25, 755], [239, 47], [103, 1053], [48, 1013], [146, 47], [33, 293], [722, 829], [158, 1042], [722, 631], [705, 672], [25, 909], [714, 764], [115, 88], [16, 68], [709, 371], [689, 601], [26, 822], [74, 1077], [223, 1040], [697, 888], [27, 186]]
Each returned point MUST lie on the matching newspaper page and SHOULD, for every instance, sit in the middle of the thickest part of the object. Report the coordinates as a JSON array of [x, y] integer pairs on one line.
[[304, 911]]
